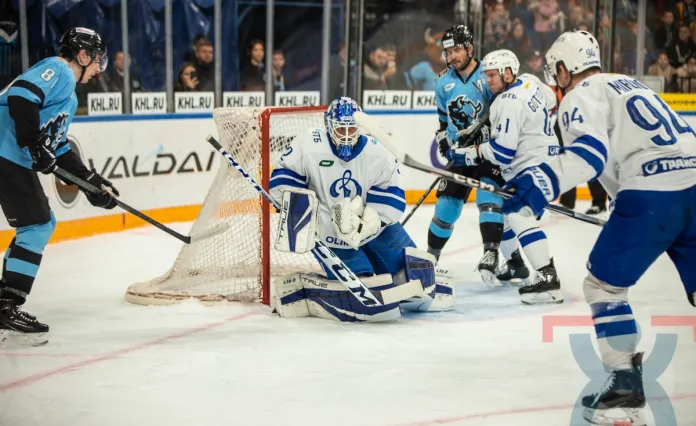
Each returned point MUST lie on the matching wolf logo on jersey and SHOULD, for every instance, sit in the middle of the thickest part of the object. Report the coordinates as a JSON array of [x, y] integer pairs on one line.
[[55, 128], [462, 111]]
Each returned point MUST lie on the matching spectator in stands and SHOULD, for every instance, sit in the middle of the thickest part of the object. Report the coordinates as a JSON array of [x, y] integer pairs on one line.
[[278, 66], [521, 12], [582, 26], [662, 68], [549, 23], [205, 66], [667, 32], [687, 75], [116, 76], [337, 72], [535, 65], [395, 80], [187, 80], [497, 26], [190, 56], [423, 74], [520, 43], [576, 15], [682, 47], [253, 72], [686, 12], [374, 68]]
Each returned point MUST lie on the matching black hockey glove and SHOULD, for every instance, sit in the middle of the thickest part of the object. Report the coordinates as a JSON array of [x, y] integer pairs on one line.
[[105, 199], [43, 157], [443, 142], [477, 137]]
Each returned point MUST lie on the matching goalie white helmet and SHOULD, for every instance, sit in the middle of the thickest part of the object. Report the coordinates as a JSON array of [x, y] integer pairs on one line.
[[577, 51], [501, 60]]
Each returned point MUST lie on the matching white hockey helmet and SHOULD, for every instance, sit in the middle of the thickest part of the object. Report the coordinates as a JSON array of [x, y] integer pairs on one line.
[[576, 50], [501, 60]]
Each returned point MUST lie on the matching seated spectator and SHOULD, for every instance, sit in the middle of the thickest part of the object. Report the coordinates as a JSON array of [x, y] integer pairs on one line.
[[423, 74], [278, 66], [549, 23], [663, 69], [253, 71], [687, 75], [375, 65], [338, 71], [667, 32], [394, 79], [190, 56], [116, 76], [682, 47], [497, 26], [520, 43], [187, 80], [205, 66], [534, 65], [686, 12]]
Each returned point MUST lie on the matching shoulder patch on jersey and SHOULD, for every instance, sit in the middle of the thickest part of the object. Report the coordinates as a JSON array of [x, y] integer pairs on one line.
[[443, 72]]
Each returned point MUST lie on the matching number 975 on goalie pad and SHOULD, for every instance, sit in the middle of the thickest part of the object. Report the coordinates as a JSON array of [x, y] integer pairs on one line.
[[298, 219]]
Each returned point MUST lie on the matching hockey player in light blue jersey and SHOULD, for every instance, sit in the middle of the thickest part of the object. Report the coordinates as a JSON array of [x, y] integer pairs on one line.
[[462, 98], [35, 112], [347, 186], [616, 128]]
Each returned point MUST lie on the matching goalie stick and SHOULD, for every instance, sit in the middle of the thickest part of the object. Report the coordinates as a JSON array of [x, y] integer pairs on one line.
[[325, 255], [188, 239], [376, 130], [469, 138]]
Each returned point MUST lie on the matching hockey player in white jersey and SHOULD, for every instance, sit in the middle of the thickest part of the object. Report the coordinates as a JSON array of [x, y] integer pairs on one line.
[[521, 136], [351, 187], [615, 127]]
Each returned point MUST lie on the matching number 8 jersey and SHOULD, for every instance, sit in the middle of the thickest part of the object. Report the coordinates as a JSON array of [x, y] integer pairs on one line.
[[50, 84], [615, 127]]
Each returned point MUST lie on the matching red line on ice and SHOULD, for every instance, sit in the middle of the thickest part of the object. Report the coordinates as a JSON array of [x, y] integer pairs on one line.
[[115, 354]]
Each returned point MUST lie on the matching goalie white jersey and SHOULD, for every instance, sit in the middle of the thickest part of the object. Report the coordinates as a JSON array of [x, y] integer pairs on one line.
[[373, 173], [521, 126], [616, 126]]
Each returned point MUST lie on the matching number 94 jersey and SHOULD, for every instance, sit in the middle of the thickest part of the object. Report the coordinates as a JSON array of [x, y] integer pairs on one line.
[[617, 128]]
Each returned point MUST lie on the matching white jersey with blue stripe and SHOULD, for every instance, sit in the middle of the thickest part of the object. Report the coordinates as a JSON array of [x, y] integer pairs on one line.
[[373, 173], [461, 99], [521, 127], [50, 84], [617, 128]]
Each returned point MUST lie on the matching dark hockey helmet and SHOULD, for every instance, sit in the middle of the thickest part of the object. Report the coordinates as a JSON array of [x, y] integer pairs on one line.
[[78, 38], [458, 35]]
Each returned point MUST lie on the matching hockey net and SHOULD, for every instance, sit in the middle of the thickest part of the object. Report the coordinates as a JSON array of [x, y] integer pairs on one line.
[[239, 263]]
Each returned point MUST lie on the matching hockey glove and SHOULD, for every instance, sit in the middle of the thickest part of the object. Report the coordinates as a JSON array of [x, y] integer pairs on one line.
[[442, 142], [532, 190], [475, 134], [43, 157], [106, 198], [353, 222], [464, 156]]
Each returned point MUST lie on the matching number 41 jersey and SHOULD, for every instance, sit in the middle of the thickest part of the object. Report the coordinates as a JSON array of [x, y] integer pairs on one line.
[[621, 129]]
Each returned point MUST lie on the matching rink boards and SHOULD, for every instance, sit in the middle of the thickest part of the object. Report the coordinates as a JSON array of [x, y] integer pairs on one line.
[[162, 165]]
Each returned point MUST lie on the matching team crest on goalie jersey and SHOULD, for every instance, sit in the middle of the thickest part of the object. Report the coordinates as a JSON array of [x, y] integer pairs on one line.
[[347, 186]]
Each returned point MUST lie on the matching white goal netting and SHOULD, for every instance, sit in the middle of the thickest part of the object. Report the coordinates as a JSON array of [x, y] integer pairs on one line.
[[229, 266]]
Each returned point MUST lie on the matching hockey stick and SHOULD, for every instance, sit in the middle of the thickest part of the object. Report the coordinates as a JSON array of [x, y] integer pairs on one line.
[[325, 255], [188, 239], [375, 129], [469, 137]]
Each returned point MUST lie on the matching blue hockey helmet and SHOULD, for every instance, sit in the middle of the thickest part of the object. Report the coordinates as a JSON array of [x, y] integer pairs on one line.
[[342, 127]]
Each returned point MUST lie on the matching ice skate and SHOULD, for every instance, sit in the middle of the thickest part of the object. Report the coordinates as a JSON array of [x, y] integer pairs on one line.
[[513, 271], [546, 288], [18, 328], [488, 266]]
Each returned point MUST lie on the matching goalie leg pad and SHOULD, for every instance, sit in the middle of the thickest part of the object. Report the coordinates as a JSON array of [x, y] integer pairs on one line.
[[328, 299], [438, 294], [298, 218]]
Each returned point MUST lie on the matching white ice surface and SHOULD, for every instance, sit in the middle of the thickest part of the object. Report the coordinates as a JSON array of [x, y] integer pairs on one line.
[[112, 363]]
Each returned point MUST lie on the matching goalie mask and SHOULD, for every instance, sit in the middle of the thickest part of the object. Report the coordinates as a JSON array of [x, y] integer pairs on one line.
[[342, 127]]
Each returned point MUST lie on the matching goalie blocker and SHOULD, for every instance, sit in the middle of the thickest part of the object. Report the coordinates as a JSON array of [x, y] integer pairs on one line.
[[415, 286]]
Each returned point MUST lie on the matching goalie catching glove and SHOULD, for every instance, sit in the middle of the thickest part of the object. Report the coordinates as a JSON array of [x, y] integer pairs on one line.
[[354, 222], [298, 219]]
